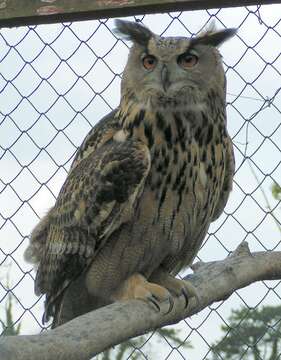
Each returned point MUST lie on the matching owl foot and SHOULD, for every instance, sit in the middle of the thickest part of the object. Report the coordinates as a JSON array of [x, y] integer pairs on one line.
[[176, 287], [137, 287]]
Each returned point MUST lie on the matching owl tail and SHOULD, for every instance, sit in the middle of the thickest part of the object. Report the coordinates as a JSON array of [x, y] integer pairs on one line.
[[53, 304]]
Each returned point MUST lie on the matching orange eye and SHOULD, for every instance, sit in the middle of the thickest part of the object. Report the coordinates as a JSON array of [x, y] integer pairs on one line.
[[187, 61], [149, 62]]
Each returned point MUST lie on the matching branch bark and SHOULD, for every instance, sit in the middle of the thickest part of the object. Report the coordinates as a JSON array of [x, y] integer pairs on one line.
[[92, 333]]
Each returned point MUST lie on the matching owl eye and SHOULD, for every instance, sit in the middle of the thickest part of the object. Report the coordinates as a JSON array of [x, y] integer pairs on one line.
[[187, 61], [149, 62]]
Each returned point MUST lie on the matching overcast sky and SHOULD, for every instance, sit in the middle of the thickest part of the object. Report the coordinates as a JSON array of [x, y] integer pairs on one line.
[[57, 81]]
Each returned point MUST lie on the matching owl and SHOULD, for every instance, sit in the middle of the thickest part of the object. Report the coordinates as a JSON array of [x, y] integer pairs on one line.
[[144, 185]]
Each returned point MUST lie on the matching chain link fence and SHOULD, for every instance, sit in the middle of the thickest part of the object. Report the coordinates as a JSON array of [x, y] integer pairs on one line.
[[57, 81]]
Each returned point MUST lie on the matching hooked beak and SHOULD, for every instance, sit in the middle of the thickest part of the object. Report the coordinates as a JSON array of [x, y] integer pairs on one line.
[[165, 78]]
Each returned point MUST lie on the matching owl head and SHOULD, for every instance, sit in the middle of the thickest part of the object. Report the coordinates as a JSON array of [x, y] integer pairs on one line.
[[172, 70]]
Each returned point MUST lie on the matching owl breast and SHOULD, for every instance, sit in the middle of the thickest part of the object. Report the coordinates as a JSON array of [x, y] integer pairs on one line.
[[172, 215], [183, 187]]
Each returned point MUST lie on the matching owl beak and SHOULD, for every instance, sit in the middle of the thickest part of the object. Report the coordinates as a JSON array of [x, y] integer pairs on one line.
[[165, 78]]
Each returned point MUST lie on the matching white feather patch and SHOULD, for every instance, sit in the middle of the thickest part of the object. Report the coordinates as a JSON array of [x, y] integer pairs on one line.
[[120, 136]]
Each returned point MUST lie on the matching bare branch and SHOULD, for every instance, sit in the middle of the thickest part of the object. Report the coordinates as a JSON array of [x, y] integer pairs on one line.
[[92, 333]]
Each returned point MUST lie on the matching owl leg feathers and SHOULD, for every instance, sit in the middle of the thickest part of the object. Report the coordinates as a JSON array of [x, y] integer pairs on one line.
[[176, 287], [137, 287]]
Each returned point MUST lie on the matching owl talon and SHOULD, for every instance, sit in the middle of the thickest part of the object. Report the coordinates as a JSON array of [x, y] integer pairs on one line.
[[171, 305], [175, 286], [154, 302], [187, 290], [185, 294], [137, 287]]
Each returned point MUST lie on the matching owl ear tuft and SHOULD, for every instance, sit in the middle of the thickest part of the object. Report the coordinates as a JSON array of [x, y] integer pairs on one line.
[[133, 31], [214, 37]]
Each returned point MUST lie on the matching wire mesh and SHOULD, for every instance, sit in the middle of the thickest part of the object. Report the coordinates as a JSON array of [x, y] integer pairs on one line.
[[57, 81]]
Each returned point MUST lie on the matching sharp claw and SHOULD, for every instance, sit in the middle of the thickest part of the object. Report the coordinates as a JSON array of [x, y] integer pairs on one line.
[[154, 302], [184, 292], [172, 302], [171, 305]]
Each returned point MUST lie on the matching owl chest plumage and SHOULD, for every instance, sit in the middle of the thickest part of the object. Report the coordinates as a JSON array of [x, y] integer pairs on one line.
[[146, 182], [183, 185]]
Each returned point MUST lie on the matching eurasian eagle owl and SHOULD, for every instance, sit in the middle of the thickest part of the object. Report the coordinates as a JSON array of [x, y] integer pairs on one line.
[[145, 184]]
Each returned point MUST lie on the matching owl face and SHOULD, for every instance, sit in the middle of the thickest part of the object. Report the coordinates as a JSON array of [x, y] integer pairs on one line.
[[171, 70]]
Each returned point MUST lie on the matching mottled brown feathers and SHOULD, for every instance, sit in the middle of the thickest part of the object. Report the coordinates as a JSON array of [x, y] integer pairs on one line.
[[95, 200], [145, 184]]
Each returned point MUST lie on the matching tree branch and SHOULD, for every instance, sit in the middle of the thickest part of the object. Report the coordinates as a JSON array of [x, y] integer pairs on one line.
[[92, 333]]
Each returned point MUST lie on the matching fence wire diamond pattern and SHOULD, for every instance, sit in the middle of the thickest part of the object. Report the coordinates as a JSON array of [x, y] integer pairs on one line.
[[57, 81]]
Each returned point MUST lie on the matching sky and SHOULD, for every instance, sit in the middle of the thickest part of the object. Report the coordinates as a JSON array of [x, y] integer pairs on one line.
[[58, 80]]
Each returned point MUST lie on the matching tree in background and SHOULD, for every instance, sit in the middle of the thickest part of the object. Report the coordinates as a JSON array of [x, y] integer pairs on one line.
[[250, 334]]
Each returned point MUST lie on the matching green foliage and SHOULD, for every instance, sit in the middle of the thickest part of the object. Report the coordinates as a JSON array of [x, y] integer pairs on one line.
[[8, 326], [276, 191], [130, 348], [250, 334]]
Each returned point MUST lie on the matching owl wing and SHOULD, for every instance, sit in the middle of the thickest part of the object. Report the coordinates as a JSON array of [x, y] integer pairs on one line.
[[100, 133], [228, 179], [98, 195]]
